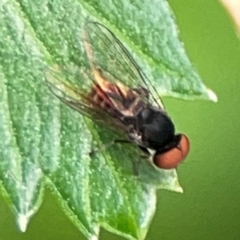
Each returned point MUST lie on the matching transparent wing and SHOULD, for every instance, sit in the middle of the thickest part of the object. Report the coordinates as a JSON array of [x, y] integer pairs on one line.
[[60, 82], [105, 51]]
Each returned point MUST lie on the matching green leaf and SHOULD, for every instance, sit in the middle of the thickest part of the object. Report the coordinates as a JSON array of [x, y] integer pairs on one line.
[[43, 142]]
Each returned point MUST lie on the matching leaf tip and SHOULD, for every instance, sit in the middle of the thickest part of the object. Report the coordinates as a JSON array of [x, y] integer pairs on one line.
[[94, 237], [212, 95], [22, 221], [179, 189]]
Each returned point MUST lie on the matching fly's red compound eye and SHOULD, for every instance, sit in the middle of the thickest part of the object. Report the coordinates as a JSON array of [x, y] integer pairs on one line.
[[174, 156]]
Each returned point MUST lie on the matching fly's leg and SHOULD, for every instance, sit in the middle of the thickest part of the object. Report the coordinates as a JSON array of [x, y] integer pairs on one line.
[[137, 164], [107, 145]]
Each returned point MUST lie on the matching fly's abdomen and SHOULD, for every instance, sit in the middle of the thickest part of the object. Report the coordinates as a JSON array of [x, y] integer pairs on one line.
[[101, 101]]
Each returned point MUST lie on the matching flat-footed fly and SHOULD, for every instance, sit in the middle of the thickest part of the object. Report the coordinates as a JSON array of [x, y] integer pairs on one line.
[[115, 91]]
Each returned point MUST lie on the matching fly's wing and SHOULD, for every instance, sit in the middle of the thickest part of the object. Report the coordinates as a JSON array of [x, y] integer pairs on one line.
[[106, 52], [60, 82], [113, 77]]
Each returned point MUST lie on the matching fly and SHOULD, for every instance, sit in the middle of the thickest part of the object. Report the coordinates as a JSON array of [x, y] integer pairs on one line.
[[115, 92]]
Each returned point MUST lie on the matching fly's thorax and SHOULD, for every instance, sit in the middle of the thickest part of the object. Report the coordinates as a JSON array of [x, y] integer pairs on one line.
[[156, 128]]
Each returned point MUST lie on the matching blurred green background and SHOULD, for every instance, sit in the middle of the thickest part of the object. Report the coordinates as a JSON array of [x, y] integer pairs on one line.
[[210, 205]]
